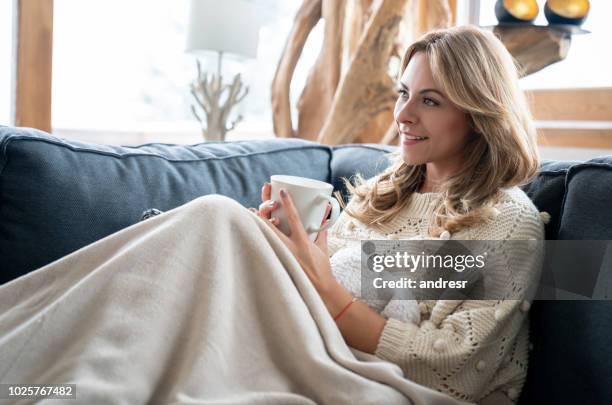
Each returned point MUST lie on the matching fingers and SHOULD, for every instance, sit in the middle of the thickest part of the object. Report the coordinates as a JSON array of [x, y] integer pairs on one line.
[[293, 218], [273, 225], [268, 205], [321, 240], [266, 208], [266, 192], [267, 218]]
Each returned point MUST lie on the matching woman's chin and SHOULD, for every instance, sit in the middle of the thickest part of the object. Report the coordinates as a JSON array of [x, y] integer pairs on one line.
[[411, 160]]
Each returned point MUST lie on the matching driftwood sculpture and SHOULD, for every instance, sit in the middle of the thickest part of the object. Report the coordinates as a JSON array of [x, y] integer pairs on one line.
[[367, 89], [208, 91], [306, 18], [316, 99], [349, 94]]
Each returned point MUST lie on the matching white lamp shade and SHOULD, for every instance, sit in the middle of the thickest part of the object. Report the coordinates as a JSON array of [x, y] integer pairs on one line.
[[229, 26]]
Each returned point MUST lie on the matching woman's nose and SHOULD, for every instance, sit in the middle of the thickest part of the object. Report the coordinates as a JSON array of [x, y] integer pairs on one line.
[[405, 111]]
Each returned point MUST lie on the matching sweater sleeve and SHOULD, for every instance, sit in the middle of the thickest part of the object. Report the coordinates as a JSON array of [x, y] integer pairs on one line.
[[470, 348]]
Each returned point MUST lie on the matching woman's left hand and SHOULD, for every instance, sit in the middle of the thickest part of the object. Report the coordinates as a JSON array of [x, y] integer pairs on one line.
[[312, 256], [362, 326]]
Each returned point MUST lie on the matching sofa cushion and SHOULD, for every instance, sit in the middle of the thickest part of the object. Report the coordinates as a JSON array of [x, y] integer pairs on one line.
[[547, 191], [57, 196], [366, 159], [572, 355], [588, 201]]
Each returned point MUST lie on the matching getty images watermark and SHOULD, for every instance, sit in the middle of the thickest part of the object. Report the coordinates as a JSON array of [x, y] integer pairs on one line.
[[487, 270]]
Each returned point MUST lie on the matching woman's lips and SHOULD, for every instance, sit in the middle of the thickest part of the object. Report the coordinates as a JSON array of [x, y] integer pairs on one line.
[[408, 141]]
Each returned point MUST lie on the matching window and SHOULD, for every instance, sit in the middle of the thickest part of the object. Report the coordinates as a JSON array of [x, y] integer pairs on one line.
[[6, 68], [121, 75]]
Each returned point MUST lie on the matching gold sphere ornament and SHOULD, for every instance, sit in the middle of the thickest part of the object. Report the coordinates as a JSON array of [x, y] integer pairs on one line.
[[572, 12], [516, 11]]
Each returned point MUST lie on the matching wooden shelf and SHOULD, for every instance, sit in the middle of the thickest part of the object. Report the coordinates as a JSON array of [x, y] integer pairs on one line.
[[536, 46], [570, 29]]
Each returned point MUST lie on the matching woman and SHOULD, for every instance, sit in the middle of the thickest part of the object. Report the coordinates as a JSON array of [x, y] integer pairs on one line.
[[467, 141], [196, 303]]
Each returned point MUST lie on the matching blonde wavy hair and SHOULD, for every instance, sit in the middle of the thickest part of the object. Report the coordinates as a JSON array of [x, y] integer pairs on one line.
[[477, 74]]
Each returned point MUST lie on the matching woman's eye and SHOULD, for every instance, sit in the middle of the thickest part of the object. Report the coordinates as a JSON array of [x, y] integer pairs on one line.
[[430, 102], [403, 93]]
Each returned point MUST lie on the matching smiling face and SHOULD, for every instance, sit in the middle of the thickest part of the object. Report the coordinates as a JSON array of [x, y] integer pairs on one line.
[[422, 111]]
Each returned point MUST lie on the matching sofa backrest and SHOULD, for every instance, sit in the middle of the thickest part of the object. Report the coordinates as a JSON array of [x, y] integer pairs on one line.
[[57, 196], [572, 355], [547, 191], [348, 160]]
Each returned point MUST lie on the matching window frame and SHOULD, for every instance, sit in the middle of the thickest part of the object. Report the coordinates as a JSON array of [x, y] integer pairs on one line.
[[579, 117], [34, 51]]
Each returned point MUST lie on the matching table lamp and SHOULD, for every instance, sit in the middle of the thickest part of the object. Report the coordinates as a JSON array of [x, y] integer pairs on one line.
[[227, 26]]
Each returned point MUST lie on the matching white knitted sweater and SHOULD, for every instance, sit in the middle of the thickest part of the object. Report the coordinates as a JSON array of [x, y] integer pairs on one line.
[[470, 348]]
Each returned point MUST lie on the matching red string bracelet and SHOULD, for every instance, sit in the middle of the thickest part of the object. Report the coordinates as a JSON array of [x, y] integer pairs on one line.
[[346, 307]]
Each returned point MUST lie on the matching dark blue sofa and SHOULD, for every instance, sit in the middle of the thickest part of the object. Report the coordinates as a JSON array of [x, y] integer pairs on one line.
[[57, 196]]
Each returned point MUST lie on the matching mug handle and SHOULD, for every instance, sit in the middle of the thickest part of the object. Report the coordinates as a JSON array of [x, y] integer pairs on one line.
[[335, 213]]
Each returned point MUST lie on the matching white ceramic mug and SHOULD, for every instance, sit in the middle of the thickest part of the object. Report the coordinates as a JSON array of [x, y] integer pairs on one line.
[[310, 198]]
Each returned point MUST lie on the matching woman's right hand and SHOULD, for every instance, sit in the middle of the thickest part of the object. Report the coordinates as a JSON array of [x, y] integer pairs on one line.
[[268, 205]]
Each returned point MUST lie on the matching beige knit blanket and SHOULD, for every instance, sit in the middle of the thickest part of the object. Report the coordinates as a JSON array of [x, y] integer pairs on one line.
[[203, 304]]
